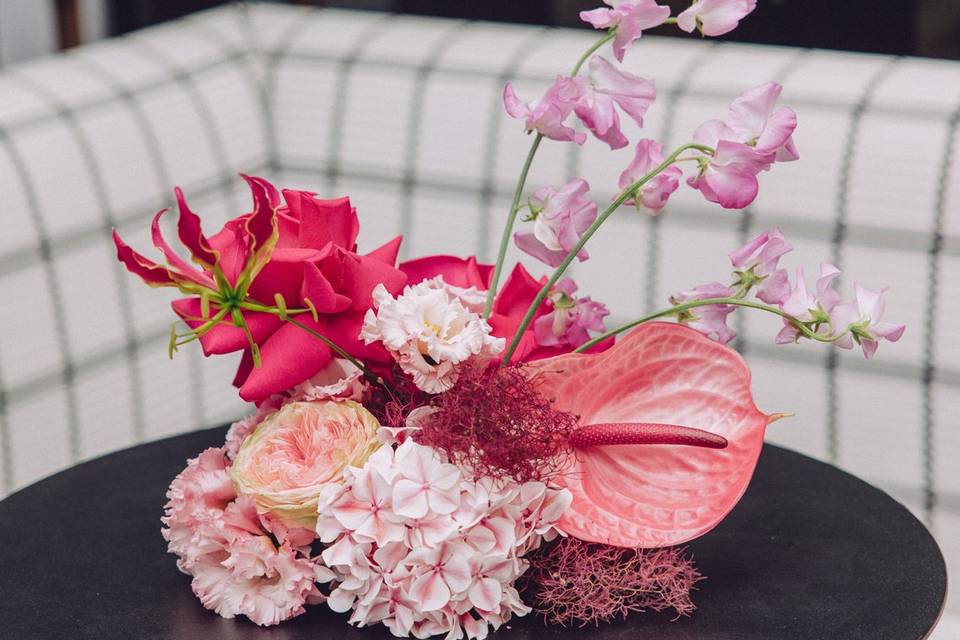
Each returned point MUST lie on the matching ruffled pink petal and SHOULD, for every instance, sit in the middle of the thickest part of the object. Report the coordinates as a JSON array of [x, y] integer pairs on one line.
[[601, 18], [656, 495]]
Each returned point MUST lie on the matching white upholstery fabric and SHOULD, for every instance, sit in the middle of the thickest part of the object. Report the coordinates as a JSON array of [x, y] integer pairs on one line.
[[404, 115]]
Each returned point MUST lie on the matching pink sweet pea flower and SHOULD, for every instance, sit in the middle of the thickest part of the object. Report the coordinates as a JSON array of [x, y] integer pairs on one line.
[[862, 318], [757, 261], [547, 115], [810, 307], [572, 318], [561, 217], [730, 176], [755, 121], [715, 17], [710, 320], [652, 195], [753, 137], [608, 86], [629, 17]]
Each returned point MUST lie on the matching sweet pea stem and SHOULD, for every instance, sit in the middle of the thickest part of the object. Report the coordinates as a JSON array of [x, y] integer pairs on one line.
[[625, 195], [740, 302], [521, 183], [369, 375]]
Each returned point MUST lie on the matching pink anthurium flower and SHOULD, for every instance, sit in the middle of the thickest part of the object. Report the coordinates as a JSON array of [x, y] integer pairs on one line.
[[606, 87], [715, 17], [655, 495], [629, 17]]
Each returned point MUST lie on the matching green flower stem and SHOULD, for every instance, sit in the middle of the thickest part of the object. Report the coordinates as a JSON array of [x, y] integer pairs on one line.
[[610, 35], [739, 302], [625, 195], [508, 227], [521, 183], [369, 375]]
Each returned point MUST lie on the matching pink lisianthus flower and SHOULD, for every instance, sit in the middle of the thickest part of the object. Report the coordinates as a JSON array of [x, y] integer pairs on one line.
[[547, 115], [606, 87], [572, 318], [429, 332], [509, 306], [653, 195], [710, 320], [862, 320], [810, 307], [715, 17], [561, 215], [629, 17], [756, 264]]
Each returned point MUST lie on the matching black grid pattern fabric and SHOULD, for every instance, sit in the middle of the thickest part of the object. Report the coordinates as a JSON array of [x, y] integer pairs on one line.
[[404, 114]]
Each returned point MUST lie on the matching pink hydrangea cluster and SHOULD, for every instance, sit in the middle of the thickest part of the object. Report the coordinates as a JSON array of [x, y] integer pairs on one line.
[[814, 314], [417, 544], [229, 548]]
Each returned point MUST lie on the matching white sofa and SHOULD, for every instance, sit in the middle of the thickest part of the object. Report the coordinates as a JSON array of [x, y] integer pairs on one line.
[[404, 115]]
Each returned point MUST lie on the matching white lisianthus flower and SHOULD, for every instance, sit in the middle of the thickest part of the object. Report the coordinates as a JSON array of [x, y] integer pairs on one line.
[[430, 331]]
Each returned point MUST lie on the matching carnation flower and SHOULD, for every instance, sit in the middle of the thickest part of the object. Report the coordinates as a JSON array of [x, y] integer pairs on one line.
[[285, 463], [453, 570], [252, 577], [196, 500], [429, 332]]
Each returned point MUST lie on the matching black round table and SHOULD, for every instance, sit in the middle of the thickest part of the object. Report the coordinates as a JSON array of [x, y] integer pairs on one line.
[[810, 553]]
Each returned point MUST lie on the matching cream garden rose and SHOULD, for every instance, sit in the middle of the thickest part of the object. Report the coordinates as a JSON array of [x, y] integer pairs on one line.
[[288, 459]]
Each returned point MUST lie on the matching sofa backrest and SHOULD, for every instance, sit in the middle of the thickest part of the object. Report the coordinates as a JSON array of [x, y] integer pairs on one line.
[[405, 115]]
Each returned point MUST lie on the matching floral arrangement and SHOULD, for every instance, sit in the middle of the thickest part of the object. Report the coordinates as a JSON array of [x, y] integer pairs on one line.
[[436, 447]]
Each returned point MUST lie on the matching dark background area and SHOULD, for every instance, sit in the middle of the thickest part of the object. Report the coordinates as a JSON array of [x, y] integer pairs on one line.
[[910, 27]]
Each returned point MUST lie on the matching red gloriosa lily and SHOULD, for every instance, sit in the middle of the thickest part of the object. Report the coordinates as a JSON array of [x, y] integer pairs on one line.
[[665, 492], [295, 246]]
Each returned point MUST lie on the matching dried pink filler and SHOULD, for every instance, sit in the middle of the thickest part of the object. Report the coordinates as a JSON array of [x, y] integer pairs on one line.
[[655, 495]]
